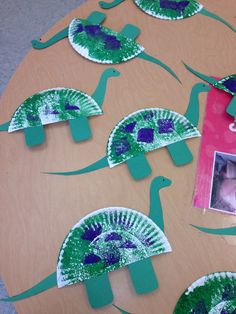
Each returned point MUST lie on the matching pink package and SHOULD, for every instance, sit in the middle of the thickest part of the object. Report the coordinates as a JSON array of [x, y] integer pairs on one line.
[[215, 186]]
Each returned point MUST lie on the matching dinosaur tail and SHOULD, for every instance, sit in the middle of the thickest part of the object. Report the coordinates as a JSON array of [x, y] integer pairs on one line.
[[218, 18], [220, 231], [4, 126], [45, 284], [204, 77], [109, 5], [101, 163]]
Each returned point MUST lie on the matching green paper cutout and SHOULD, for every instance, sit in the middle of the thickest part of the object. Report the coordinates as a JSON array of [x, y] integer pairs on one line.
[[109, 5], [139, 167], [80, 129], [143, 276], [99, 291], [130, 31], [96, 17], [45, 284], [216, 17], [34, 135], [180, 153], [231, 109], [36, 44], [231, 231], [149, 58], [4, 126], [121, 311], [204, 77]]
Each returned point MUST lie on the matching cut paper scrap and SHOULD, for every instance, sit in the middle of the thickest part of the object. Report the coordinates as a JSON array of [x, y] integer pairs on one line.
[[56, 105], [211, 294], [146, 130], [227, 84], [101, 44], [106, 240], [169, 9], [217, 139]]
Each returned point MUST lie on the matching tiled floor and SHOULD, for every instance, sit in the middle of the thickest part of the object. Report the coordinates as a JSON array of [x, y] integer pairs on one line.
[[21, 21]]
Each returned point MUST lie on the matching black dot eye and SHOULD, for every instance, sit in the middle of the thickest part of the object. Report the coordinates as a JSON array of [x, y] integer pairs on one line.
[[163, 179]]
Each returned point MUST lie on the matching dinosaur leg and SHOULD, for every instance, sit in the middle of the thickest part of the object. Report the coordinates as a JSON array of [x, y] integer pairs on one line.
[[59, 36], [80, 129], [180, 153], [34, 135], [216, 17], [231, 109], [109, 5], [139, 167], [143, 276], [99, 291]]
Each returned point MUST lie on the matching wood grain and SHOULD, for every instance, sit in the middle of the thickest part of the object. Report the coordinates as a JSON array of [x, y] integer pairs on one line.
[[38, 210]]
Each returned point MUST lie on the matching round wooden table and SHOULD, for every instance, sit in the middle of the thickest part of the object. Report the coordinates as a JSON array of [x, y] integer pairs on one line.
[[38, 210]]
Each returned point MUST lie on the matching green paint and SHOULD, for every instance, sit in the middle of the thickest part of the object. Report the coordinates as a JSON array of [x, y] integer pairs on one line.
[[99, 291], [4, 126], [139, 167], [45, 284], [147, 118], [231, 231], [101, 163], [130, 31], [36, 44], [80, 129], [216, 17], [149, 58], [231, 109], [109, 5], [34, 135], [211, 294], [180, 153]]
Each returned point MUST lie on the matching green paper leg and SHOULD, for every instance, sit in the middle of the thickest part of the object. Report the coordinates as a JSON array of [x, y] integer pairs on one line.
[[231, 109], [99, 291], [96, 17], [80, 129], [130, 31], [216, 17], [143, 276], [34, 135], [59, 36], [109, 5], [139, 167], [149, 58], [180, 153]]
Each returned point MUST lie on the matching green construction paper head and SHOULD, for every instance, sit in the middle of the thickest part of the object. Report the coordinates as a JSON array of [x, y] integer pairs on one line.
[[212, 294]]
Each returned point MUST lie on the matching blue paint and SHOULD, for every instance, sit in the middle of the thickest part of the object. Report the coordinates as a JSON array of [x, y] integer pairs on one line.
[[200, 308], [112, 256], [70, 107], [111, 42], [228, 293], [91, 259], [31, 117], [130, 127], [149, 242], [122, 146], [113, 236], [174, 5], [224, 311], [79, 29], [149, 116], [93, 30], [145, 135], [128, 244], [165, 126], [231, 84], [92, 232]]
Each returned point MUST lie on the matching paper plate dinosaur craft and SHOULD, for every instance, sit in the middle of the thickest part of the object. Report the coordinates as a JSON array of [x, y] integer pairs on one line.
[[106, 240], [101, 44], [214, 293], [146, 130], [227, 84], [169, 9], [56, 105]]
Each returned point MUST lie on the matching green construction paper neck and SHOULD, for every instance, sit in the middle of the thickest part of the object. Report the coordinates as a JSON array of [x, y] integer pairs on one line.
[[59, 36], [149, 58], [100, 91], [231, 109], [204, 77], [216, 17], [4, 126], [231, 231], [45, 284], [121, 311], [130, 31], [109, 5], [102, 163], [96, 17]]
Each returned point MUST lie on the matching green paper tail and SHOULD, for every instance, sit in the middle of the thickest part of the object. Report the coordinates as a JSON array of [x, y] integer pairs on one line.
[[231, 231], [216, 17], [102, 163], [4, 126], [143, 276], [180, 153], [121, 311], [109, 5], [149, 58], [231, 109], [205, 78], [139, 167], [80, 129], [59, 36], [34, 135], [99, 291], [45, 284]]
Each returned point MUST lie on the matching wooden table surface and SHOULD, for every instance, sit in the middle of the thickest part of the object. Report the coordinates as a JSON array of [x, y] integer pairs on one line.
[[38, 210]]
